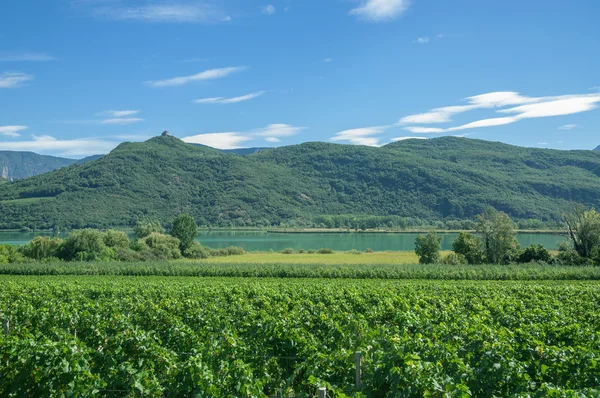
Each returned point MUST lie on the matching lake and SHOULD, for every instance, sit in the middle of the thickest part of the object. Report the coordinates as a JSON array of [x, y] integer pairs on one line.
[[265, 241]]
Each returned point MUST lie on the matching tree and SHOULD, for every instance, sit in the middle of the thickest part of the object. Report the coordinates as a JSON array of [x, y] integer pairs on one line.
[[144, 228], [583, 228], [86, 245], [162, 246], [497, 232], [116, 239], [535, 253], [469, 246], [428, 248], [42, 247], [185, 229]]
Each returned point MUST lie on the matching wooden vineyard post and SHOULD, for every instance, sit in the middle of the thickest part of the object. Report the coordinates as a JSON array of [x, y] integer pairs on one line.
[[322, 392], [357, 364]]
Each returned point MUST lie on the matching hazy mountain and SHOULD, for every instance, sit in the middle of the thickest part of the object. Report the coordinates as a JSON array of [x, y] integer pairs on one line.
[[442, 178]]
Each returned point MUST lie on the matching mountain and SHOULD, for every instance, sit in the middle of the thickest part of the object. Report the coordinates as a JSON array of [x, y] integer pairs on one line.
[[597, 148], [442, 178], [237, 151], [16, 165]]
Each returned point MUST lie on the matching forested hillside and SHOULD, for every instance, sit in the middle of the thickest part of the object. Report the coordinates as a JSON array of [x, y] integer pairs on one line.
[[443, 178], [16, 165]]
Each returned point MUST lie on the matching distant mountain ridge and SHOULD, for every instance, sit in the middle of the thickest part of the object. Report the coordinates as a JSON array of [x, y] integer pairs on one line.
[[446, 178], [597, 148]]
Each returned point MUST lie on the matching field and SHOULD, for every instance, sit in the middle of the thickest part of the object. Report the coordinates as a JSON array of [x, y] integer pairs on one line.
[[157, 336]]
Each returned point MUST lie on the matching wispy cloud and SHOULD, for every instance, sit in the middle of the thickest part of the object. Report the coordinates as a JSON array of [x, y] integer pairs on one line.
[[14, 79], [278, 130], [272, 139], [328, 60], [268, 10], [380, 10], [223, 100], [119, 113], [218, 140], [122, 120], [23, 57], [517, 106], [184, 11], [567, 127], [408, 138], [46, 144], [11, 131], [206, 75], [360, 136], [423, 40]]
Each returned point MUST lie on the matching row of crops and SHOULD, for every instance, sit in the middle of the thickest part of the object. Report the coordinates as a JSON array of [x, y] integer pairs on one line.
[[106, 336]]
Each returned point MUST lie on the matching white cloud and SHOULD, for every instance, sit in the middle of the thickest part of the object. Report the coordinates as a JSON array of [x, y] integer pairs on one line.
[[269, 10], [380, 10], [122, 113], [169, 12], [522, 108], [272, 139], [278, 130], [360, 136], [234, 100], [423, 40], [14, 79], [408, 138], [122, 120], [11, 131], [567, 127], [218, 140], [206, 75], [46, 144], [22, 57], [328, 60], [542, 143]]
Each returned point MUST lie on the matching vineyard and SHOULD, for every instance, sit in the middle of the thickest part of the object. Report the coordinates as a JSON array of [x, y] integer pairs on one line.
[[157, 336]]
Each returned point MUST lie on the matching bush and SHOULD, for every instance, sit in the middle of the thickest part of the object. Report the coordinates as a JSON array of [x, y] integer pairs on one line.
[[300, 251], [288, 250], [86, 245], [454, 259], [144, 228], [116, 239], [235, 251], [310, 251], [325, 251], [567, 255], [470, 247], [369, 250], [428, 248], [197, 251], [354, 251], [163, 246], [42, 248], [535, 253], [10, 254]]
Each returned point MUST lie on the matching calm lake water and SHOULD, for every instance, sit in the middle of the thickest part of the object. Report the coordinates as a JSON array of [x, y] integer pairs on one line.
[[264, 241]]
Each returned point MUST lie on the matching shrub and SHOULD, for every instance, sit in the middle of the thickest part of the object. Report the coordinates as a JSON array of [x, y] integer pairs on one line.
[[454, 259], [354, 251], [469, 246], [535, 253], [428, 248], [300, 251], [310, 251], [325, 251], [567, 255], [288, 250], [116, 239], [163, 246], [86, 245], [10, 254], [144, 228], [369, 250], [235, 251], [197, 251], [42, 248]]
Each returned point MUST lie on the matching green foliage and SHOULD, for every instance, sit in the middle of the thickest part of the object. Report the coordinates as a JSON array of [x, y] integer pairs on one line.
[[10, 254], [42, 248], [230, 251], [288, 250], [116, 239], [402, 184], [325, 250], [537, 253], [567, 255], [454, 259], [197, 251], [428, 248], [144, 228], [584, 232], [260, 338], [185, 229], [498, 234], [86, 245], [162, 246], [469, 246]]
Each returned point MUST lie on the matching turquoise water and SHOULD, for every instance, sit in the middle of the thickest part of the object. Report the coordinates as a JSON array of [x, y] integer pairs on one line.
[[264, 241]]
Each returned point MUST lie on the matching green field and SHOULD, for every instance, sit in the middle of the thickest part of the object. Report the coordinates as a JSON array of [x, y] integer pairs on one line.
[[153, 336]]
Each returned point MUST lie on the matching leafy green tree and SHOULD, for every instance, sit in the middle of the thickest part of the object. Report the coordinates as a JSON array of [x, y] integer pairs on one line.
[[116, 239], [498, 234], [10, 254], [469, 246], [144, 228], [185, 229], [428, 248], [535, 253], [86, 245], [583, 228], [162, 246], [42, 248]]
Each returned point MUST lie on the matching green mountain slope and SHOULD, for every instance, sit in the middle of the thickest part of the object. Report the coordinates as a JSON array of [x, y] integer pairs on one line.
[[15, 165], [452, 178], [597, 148]]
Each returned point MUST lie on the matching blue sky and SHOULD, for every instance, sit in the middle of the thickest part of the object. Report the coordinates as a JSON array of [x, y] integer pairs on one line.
[[79, 76]]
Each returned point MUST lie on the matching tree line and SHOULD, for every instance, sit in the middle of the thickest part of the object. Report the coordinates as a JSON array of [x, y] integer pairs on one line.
[[495, 242]]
